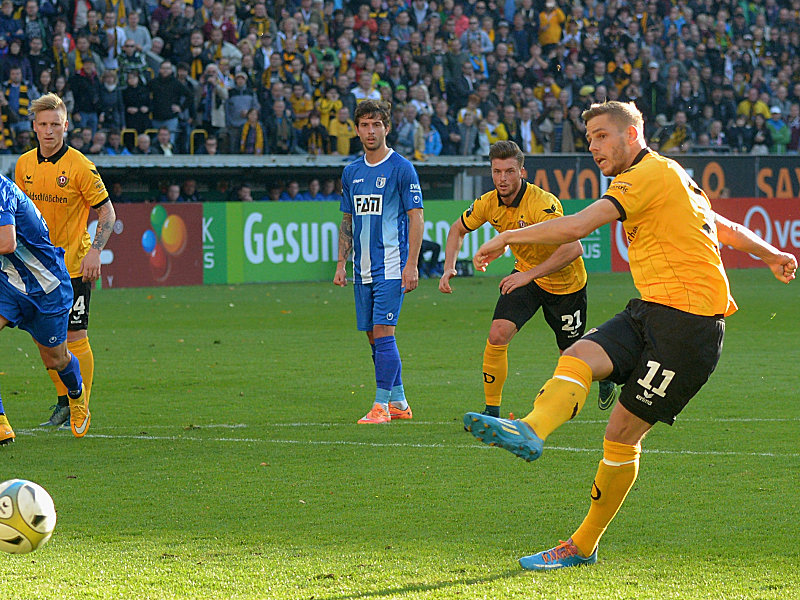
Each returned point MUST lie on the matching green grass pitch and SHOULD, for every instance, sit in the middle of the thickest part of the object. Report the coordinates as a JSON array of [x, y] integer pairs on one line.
[[224, 461]]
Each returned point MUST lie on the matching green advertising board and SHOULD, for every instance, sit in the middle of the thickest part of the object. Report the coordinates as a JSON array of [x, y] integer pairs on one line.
[[215, 243], [596, 245], [298, 241]]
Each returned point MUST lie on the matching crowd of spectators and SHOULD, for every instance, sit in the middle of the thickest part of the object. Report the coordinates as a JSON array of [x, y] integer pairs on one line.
[[284, 76]]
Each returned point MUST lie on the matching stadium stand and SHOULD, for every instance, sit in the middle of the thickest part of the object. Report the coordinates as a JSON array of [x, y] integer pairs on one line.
[[709, 76]]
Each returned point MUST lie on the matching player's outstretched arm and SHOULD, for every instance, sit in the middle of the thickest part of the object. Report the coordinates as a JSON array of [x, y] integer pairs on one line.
[[416, 226], [564, 255], [345, 248], [553, 232], [782, 264], [455, 237], [90, 265]]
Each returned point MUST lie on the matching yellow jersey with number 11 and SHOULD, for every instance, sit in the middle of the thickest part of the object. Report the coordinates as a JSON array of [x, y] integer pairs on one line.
[[673, 248]]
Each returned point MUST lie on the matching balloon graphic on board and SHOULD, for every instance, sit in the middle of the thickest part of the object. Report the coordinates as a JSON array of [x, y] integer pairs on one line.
[[166, 238], [159, 263], [149, 241], [157, 217], [173, 235]]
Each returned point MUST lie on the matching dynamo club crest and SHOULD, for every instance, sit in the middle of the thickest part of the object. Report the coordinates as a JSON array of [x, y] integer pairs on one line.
[[381, 182]]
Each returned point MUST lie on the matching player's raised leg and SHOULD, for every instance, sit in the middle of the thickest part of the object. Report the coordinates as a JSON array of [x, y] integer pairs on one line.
[[560, 399]]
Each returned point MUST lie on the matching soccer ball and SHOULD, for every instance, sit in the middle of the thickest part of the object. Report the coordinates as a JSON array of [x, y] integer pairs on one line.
[[27, 516]]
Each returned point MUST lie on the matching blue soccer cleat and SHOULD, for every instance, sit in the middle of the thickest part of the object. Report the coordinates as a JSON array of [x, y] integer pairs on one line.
[[515, 436], [566, 554]]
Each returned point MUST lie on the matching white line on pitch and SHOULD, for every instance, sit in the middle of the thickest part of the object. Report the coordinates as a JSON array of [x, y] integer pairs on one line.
[[455, 421], [172, 438]]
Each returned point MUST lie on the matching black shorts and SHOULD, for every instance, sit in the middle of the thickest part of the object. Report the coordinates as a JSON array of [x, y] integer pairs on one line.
[[565, 313], [661, 355], [79, 313]]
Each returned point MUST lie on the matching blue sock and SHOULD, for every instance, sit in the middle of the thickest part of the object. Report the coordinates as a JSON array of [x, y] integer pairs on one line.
[[2, 410], [387, 365], [71, 377], [398, 398]]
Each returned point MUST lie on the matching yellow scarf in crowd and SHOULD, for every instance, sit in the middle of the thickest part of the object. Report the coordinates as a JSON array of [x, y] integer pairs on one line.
[[259, 143], [118, 7], [197, 67]]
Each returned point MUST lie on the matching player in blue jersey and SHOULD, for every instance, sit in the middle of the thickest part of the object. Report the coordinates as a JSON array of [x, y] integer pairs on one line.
[[382, 227], [36, 295]]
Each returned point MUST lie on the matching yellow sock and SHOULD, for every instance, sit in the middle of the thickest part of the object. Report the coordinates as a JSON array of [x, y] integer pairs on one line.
[[562, 397], [614, 479], [83, 352], [495, 371], [61, 389]]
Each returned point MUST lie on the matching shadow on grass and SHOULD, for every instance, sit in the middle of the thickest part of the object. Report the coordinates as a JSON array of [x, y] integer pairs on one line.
[[396, 591]]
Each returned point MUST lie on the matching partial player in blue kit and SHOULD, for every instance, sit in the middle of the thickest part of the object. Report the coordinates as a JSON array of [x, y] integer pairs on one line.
[[36, 295], [382, 226]]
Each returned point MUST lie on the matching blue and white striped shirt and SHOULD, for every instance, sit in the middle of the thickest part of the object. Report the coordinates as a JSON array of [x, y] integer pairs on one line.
[[379, 196], [36, 268]]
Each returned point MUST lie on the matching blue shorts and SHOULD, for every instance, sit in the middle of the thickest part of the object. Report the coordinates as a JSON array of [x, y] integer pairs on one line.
[[378, 303], [45, 322]]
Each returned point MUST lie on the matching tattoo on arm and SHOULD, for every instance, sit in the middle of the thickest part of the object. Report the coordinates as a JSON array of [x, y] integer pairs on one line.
[[345, 238], [105, 225]]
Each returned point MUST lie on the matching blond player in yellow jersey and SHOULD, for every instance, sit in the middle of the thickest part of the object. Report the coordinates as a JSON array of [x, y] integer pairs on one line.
[[549, 277], [64, 185], [663, 347]]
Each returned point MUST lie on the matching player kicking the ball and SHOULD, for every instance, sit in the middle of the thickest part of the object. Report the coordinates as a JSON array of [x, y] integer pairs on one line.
[[663, 347], [382, 224]]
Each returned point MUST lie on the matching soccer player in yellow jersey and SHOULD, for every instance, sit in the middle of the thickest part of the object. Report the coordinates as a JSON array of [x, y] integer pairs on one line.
[[549, 277], [663, 347], [64, 184]]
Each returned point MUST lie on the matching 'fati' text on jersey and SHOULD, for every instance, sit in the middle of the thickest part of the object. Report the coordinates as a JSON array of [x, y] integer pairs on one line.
[[379, 196]]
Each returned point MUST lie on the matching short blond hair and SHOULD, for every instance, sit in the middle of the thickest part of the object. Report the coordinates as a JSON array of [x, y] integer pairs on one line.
[[49, 101], [624, 113]]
